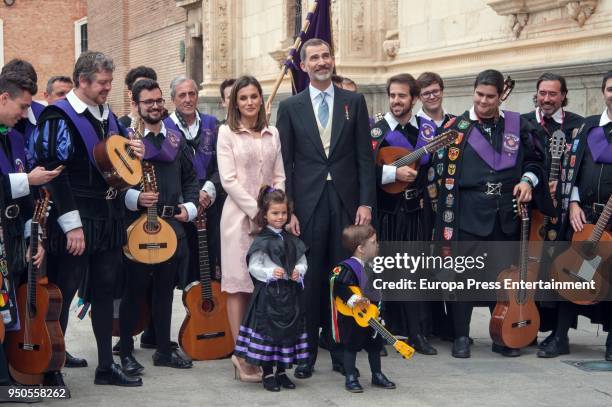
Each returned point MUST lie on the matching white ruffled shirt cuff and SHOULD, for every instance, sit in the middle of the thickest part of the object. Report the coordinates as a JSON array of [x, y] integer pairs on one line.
[[388, 174], [131, 199], [19, 184], [210, 189], [69, 221]]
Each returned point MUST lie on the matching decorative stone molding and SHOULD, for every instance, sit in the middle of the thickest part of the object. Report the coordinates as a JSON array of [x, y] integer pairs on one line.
[[280, 55], [391, 44], [517, 23], [581, 10]]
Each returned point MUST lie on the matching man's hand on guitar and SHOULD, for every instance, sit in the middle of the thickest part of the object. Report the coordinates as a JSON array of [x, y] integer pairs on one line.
[[40, 176], [148, 199], [205, 199], [137, 148], [40, 255], [522, 192], [361, 302], [183, 216], [577, 216], [75, 242], [295, 276], [552, 187], [278, 273], [405, 174]]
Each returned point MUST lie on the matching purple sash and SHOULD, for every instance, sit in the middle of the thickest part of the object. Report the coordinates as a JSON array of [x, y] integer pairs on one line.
[[206, 146], [396, 138], [86, 130], [8, 166], [511, 144], [168, 150], [601, 150], [357, 268]]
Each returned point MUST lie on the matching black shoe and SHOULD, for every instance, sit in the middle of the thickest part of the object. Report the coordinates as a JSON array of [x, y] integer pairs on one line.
[[461, 347], [505, 351], [174, 360], [116, 377], [270, 383], [546, 341], [557, 346], [383, 352], [303, 371], [380, 380], [340, 369], [422, 345], [55, 379], [71, 361], [284, 380], [352, 384], [130, 366], [153, 345]]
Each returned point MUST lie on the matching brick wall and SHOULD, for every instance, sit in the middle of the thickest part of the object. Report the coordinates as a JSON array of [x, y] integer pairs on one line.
[[42, 32], [136, 32]]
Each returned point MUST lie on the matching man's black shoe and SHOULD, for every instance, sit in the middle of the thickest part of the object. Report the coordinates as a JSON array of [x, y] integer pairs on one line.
[[55, 379], [116, 377], [422, 345], [461, 347], [130, 366], [303, 371], [557, 346], [174, 360], [505, 351], [71, 361]]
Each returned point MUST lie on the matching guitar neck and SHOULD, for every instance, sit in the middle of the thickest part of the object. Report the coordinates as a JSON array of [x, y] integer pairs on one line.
[[412, 157], [524, 248], [602, 222], [32, 270], [378, 327], [204, 264], [554, 169]]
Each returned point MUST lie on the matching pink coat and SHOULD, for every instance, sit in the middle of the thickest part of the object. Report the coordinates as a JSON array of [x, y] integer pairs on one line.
[[245, 164]]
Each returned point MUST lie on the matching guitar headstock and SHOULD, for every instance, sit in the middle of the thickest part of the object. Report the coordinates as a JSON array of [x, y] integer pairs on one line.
[[404, 349], [557, 144], [443, 140], [149, 182], [200, 220], [42, 207]]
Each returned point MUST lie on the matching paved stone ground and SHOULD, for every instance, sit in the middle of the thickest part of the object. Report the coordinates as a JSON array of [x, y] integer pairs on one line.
[[487, 379]]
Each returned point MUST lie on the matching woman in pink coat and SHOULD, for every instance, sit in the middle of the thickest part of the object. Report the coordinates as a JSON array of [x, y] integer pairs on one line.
[[249, 156]]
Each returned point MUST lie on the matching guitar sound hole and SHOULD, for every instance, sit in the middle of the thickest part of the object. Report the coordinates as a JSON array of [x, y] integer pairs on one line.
[[208, 305], [151, 228]]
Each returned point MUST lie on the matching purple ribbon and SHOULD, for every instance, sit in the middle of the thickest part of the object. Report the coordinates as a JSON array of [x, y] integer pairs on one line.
[[206, 145], [601, 150], [8, 166], [511, 144], [357, 268], [86, 130], [168, 150], [396, 138]]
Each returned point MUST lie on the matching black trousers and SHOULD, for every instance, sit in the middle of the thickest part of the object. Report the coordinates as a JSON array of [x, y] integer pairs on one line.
[[461, 311], [568, 311], [323, 236], [103, 269], [162, 279]]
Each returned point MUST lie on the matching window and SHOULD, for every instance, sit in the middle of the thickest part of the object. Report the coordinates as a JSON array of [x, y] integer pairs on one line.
[[298, 18], [80, 37]]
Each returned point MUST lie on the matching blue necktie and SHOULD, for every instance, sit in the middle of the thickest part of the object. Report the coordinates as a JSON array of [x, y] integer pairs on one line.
[[323, 110]]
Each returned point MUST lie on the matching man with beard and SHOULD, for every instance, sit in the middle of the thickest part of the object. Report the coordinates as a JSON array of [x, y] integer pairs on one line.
[[330, 178], [401, 216], [584, 190], [86, 227], [200, 133], [493, 161], [548, 117], [176, 201], [133, 76]]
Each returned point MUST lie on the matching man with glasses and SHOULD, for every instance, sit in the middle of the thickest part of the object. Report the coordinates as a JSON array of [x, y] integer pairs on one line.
[[176, 201], [431, 96]]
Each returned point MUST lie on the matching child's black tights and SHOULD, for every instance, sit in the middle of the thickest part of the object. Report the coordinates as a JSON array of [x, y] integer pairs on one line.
[[350, 358], [269, 369]]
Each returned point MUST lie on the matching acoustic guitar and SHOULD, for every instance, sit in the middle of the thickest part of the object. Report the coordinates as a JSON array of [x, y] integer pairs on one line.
[[540, 222], [119, 166], [38, 346], [205, 333], [151, 240], [587, 260], [515, 321], [368, 316], [400, 157]]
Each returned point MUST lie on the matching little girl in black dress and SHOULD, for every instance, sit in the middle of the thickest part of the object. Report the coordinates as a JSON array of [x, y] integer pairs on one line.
[[273, 331]]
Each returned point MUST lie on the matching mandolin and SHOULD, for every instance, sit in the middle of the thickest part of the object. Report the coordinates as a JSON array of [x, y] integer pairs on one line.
[[587, 260], [117, 163], [38, 346], [151, 240], [540, 222], [205, 333], [515, 321], [400, 156], [368, 316]]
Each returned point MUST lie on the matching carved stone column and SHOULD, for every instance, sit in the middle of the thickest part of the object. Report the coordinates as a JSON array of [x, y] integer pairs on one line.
[[218, 40]]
